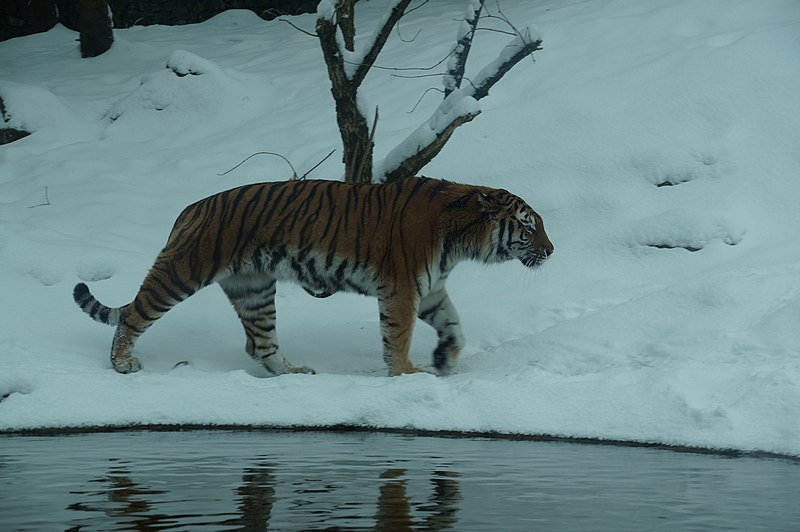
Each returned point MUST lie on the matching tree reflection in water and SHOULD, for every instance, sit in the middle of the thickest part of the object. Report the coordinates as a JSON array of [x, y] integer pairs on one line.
[[135, 505]]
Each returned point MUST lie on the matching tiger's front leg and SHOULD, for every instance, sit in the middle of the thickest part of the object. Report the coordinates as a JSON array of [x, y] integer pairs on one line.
[[253, 298], [398, 312], [438, 311]]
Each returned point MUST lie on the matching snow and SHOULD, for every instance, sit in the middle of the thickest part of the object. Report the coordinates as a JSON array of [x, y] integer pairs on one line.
[[326, 10], [353, 60], [658, 140]]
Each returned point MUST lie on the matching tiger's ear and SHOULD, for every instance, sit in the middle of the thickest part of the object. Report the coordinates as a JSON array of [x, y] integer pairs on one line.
[[488, 204]]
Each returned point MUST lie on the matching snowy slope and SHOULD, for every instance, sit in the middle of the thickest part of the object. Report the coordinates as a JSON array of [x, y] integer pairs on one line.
[[658, 140]]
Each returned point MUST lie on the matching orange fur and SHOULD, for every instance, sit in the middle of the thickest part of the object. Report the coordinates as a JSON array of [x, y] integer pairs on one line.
[[395, 241]]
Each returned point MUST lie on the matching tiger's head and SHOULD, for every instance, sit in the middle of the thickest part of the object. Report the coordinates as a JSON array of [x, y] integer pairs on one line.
[[516, 230]]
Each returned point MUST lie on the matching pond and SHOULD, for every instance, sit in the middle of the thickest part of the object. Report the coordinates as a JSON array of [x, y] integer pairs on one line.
[[228, 480]]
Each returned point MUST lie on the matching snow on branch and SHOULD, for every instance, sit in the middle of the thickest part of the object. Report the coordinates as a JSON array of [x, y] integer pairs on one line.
[[407, 158], [378, 39], [347, 68], [523, 45], [457, 63], [326, 10], [459, 106], [335, 22]]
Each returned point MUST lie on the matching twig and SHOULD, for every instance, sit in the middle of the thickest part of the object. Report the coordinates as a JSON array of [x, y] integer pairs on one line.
[[423, 96], [502, 16], [397, 28], [414, 76], [497, 31], [294, 173], [298, 28], [416, 7], [46, 200], [315, 166], [403, 69], [400, 36]]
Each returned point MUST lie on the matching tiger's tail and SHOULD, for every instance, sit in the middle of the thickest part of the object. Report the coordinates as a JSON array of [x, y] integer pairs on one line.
[[96, 310]]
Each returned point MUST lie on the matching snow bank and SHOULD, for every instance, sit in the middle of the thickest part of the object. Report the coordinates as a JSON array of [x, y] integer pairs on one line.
[[189, 91], [657, 140]]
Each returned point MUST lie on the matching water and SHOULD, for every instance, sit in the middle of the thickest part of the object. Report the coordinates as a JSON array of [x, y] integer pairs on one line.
[[317, 481]]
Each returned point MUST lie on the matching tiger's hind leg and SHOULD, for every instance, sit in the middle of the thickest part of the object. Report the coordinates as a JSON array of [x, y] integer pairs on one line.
[[161, 290], [253, 298], [438, 311]]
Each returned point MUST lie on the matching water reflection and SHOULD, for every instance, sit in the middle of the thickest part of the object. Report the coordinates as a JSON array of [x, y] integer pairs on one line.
[[256, 497], [128, 501], [319, 481], [134, 504], [394, 510]]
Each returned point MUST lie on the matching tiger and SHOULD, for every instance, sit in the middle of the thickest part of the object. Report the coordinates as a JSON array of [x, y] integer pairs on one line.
[[395, 241]]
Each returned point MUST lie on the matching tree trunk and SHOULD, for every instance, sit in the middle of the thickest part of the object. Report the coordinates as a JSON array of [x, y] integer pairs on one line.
[[96, 34], [358, 146], [43, 15], [346, 79], [352, 124], [346, 20], [347, 69]]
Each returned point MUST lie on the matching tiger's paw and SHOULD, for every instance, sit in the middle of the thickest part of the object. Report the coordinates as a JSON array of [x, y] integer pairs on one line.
[[302, 369], [405, 370], [127, 365], [276, 364], [444, 370]]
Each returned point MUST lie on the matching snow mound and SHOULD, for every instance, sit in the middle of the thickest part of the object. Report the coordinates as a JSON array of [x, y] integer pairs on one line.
[[30, 108], [190, 91], [685, 229], [183, 63]]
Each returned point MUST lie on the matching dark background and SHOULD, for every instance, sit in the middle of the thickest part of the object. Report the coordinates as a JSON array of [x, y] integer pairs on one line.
[[23, 17]]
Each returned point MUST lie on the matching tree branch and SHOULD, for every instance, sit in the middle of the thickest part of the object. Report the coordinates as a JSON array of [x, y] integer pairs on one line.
[[334, 17], [411, 165], [458, 60], [348, 68], [518, 49], [353, 126], [298, 28], [379, 40], [346, 20], [458, 108], [326, 33]]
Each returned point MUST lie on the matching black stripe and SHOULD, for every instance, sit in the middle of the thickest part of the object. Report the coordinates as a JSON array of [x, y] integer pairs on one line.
[[137, 304], [433, 310], [167, 288]]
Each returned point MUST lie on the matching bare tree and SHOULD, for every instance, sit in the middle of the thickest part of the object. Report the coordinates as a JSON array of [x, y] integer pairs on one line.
[[347, 69]]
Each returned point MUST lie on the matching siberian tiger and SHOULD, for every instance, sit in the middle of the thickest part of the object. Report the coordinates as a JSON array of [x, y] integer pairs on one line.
[[396, 241]]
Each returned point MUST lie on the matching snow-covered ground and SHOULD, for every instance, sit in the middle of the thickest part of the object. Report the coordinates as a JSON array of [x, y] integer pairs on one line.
[[668, 313]]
